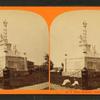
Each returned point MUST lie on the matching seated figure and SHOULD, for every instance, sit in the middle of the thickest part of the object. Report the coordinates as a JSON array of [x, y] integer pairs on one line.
[[66, 82], [75, 84]]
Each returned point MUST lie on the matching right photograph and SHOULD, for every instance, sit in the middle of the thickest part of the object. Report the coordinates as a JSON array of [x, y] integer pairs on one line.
[[75, 51]]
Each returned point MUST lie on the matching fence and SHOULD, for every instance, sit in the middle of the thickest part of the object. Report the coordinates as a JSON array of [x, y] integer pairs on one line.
[[14, 79], [57, 78], [90, 79]]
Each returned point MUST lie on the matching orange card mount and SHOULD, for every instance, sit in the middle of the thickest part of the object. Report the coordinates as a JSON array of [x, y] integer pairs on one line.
[[49, 14]]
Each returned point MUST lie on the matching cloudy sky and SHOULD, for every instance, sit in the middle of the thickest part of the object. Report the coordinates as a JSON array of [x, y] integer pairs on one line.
[[29, 31], [66, 29]]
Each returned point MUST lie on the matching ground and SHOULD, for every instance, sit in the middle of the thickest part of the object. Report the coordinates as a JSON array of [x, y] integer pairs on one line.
[[59, 87], [35, 87], [39, 86]]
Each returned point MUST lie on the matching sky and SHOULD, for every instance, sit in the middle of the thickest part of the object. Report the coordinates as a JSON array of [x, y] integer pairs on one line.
[[29, 31], [65, 31]]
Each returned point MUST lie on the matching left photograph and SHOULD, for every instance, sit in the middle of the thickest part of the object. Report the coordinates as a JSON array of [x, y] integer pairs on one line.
[[24, 56]]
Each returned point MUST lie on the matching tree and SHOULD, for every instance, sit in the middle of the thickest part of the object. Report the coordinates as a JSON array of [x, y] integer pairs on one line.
[[46, 63]]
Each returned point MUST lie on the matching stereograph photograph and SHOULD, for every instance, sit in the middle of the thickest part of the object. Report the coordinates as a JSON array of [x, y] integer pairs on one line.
[[75, 50], [42, 50], [23, 50]]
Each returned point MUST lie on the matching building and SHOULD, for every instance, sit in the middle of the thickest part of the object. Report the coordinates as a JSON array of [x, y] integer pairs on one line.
[[9, 55], [89, 57]]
